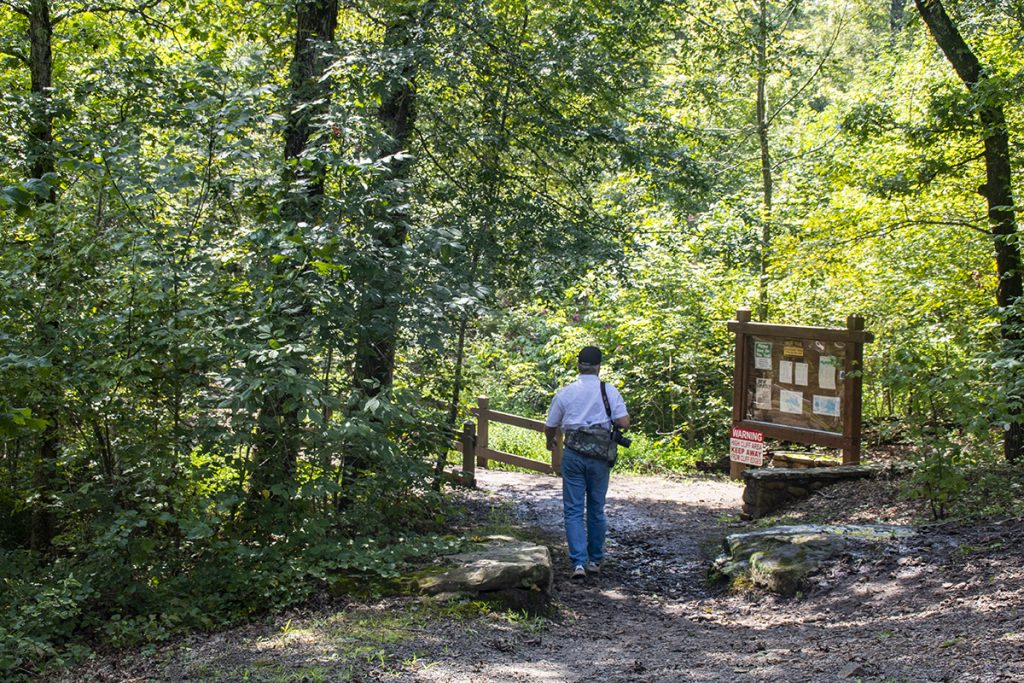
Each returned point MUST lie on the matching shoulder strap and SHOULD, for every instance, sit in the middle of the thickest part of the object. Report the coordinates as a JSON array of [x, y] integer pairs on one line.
[[604, 397]]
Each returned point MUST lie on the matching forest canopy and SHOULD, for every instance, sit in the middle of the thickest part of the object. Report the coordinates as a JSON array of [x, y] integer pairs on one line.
[[258, 259]]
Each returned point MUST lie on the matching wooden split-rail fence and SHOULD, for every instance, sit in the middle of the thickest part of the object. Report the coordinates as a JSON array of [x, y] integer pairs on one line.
[[476, 451]]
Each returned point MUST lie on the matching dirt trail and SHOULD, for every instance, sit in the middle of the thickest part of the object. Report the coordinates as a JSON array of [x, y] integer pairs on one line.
[[923, 612], [657, 529], [634, 620], [948, 606]]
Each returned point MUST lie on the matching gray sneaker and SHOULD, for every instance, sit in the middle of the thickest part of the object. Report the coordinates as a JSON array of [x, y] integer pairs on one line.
[[579, 572], [593, 568]]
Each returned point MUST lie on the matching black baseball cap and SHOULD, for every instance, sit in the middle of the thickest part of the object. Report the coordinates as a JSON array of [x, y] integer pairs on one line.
[[590, 355]]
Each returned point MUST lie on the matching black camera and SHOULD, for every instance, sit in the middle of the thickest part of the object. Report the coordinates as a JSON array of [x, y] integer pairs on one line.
[[620, 438]]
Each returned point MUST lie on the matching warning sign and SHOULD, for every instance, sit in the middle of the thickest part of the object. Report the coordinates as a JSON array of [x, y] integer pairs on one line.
[[746, 446]]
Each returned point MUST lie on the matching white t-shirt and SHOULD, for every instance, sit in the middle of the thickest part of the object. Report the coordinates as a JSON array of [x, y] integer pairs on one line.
[[580, 405]]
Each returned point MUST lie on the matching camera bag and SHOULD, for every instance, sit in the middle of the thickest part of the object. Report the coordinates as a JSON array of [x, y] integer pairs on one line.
[[595, 441]]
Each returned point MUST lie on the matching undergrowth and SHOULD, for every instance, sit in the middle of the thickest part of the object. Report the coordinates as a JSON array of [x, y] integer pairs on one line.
[[646, 455], [52, 615], [963, 476]]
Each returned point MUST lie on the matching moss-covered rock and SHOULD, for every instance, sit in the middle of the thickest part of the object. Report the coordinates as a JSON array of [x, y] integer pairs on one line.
[[517, 573], [779, 558]]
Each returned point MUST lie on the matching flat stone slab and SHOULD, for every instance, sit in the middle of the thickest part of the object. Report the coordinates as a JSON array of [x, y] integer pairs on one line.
[[516, 572], [826, 474], [770, 488], [779, 558]]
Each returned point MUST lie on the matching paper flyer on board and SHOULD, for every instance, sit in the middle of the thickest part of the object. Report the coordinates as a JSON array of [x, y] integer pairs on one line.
[[785, 372], [800, 370], [763, 396], [791, 402], [827, 372], [763, 355], [826, 405]]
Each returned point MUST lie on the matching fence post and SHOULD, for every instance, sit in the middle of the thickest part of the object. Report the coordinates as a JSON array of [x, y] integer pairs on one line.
[[483, 406], [468, 456], [852, 385], [739, 385]]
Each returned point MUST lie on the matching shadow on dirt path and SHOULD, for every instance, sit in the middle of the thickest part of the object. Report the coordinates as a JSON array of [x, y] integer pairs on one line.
[[634, 620], [947, 606], [914, 614], [659, 531]]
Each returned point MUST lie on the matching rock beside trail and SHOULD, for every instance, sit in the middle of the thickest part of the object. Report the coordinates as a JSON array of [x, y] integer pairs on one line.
[[514, 572], [769, 489], [779, 558]]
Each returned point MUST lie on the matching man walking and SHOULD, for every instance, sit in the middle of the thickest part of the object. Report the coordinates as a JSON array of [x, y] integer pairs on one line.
[[586, 411]]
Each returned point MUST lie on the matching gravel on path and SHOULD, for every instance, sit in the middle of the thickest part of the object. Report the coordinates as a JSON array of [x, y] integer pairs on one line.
[[948, 605]]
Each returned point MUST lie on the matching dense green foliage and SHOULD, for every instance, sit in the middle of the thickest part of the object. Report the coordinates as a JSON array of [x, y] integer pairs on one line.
[[217, 250], [876, 211]]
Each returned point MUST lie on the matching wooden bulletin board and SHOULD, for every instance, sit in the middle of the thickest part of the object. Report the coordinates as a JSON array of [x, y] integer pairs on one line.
[[800, 384]]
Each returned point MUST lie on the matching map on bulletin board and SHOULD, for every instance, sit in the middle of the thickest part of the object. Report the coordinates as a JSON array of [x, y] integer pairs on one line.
[[797, 382]]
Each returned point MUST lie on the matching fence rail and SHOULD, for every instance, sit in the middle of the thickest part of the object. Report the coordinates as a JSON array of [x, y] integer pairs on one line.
[[476, 450]]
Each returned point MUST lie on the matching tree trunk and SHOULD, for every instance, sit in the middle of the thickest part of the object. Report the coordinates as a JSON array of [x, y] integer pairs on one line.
[[380, 307], [278, 438], [43, 523], [767, 186], [460, 356], [896, 14], [997, 190], [310, 98], [497, 115], [41, 66]]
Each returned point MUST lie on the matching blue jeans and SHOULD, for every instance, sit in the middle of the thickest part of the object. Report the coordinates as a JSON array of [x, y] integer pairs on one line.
[[584, 481]]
